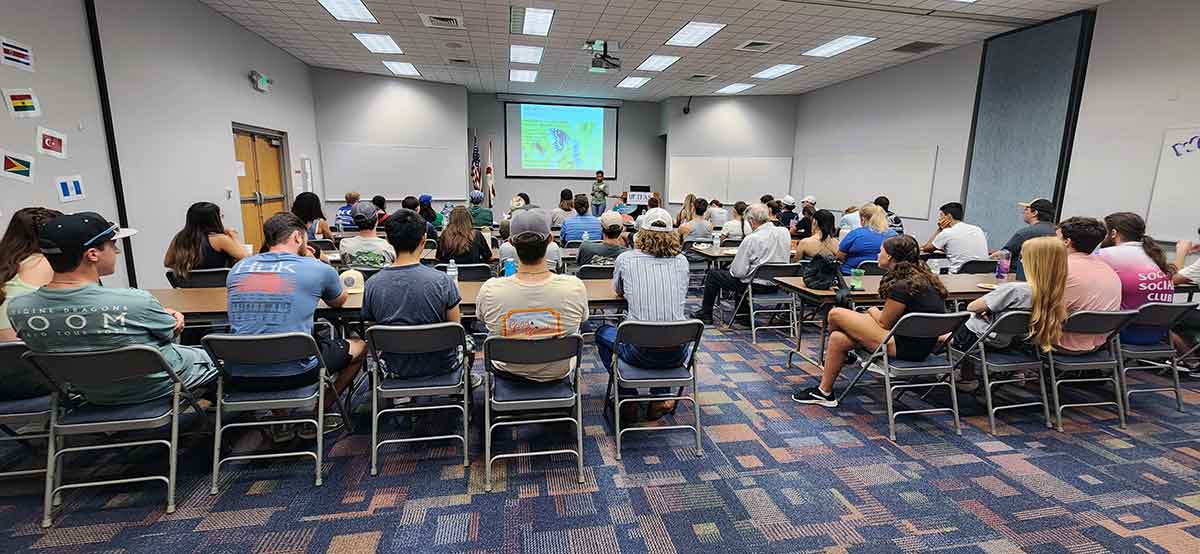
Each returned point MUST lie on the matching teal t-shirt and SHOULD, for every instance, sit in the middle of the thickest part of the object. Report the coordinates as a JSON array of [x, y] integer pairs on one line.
[[93, 318]]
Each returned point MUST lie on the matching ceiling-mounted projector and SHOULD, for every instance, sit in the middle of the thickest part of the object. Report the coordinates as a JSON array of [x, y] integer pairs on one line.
[[602, 61]]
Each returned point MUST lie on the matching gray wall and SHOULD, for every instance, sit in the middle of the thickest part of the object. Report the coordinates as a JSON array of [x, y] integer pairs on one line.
[[355, 107], [925, 102], [640, 152], [65, 84], [177, 76]]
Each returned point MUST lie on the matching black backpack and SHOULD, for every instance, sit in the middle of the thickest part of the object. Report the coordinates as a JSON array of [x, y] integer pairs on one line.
[[824, 272]]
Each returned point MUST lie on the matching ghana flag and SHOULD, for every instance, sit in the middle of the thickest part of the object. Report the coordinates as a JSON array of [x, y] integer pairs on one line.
[[22, 102]]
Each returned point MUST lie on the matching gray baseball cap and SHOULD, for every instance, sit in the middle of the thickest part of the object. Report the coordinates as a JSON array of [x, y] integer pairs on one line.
[[364, 214], [530, 220]]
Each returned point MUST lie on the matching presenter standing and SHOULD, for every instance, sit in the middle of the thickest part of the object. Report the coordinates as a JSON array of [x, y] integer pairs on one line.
[[599, 194]]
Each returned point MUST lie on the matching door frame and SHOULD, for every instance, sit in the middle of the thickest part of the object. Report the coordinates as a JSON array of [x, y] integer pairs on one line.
[[285, 161]]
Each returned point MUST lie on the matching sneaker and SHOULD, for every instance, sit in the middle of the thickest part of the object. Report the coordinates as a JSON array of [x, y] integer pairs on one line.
[[333, 423], [476, 380], [658, 409], [813, 395], [282, 433], [704, 317]]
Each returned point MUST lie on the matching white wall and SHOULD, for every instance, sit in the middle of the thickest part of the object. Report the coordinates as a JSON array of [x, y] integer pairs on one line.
[[640, 152], [922, 103], [177, 76], [1143, 77], [65, 84]]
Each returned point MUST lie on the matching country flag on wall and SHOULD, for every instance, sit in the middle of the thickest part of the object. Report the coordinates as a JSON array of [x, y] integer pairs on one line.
[[70, 188], [51, 143], [476, 183], [17, 166], [15, 54], [22, 103]]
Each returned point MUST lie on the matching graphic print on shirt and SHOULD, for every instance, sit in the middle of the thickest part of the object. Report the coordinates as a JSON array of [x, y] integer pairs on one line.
[[262, 292], [531, 322], [70, 321]]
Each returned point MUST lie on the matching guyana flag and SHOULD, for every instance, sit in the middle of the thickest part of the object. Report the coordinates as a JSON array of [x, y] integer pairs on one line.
[[18, 167], [22, 103]]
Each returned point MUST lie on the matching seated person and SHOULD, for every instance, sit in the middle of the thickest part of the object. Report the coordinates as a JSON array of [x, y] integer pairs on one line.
[[307, 206], [653, 280], [1038, 215], [1142, 267], [508, 252], [697, 227], [808, 207], [1091, 283], [366, 248], [203, 243], [788, 217], [277, 292], [73, 313], [894, 221], [961, 241], [716, 214], [583, 222], [613, 243], [1187, 333], [410, 293], [765, 244], [862, 244], [411, 203], [824, 239], [1042, 296], [461, 242], [480, 216], [343, 219], [849, 220], [652, 203], [736, 228], [565, 209], [23, 268], [381, 203], [425, 208], [533, 303], [909, 287]]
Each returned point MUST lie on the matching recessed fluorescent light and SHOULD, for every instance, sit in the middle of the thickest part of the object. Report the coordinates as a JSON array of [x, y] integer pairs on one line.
[[657, 62], [776, 71], [522, 75], [537, 21], [633, 82], [524, 54], [379, 44], [348, 10], [694, 34], [735, 88], [838, 45], [402, 68]]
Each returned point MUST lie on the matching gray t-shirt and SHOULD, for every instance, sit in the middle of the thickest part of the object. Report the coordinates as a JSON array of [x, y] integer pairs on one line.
[[1011, 296], [553, 255], [412, 295], [599, 253], [372, 252], [1039, 229]]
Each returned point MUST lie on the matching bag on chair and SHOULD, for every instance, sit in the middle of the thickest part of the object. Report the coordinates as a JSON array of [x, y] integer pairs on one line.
[[822, 272]]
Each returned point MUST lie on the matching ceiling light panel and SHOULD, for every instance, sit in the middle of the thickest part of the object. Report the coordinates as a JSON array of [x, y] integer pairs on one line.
[[402, 68], [776, 71], [633, 82], [537, 21], [657, 62], [348, 10], [522, 75], [694, 34], [839, 45], [518, 53], [379, 44], [735, 88]]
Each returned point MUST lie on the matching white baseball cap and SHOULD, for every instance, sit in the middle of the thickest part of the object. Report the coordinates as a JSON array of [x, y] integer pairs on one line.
[[658, 220], [789, 201], [810, 199], [353, 281]]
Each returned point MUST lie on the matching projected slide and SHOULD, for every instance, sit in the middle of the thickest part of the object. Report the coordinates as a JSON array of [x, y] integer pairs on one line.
[[544, 140]]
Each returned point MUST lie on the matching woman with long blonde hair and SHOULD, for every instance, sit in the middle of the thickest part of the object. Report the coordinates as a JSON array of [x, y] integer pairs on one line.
[[862, 244], [1045, 261], [688, 211]]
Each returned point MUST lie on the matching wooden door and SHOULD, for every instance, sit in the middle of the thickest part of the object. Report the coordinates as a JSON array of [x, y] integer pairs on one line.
[[260, 190]]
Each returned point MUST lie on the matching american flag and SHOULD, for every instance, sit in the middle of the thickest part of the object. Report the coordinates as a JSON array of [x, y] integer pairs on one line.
[[476, 176]]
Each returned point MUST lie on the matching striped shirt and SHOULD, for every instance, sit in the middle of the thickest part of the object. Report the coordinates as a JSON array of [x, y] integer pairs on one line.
[[655, 288]]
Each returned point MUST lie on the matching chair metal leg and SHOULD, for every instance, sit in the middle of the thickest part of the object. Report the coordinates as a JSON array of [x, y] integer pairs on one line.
[[887, 388], [487, 429], [696, 410], [173, 450], [578, 429], [374, 427], [320, 426], [954, 403], [58, 476], [987, 394], [216, 458], [466, 417], [1045, 401], [51, 444], [1054, 389], [617, 412], [1175, 378], [1118, 373]]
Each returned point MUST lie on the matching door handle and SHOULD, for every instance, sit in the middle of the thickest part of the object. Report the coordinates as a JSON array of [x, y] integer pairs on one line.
[[260, 198]]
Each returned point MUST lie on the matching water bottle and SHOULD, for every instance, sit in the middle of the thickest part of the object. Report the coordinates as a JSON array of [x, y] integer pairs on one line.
[[1003, 259], [586, 237], [452, 271], [716, 238], [510, 267]]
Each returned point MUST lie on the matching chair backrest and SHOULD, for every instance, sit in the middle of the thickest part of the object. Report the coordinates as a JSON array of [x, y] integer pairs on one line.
[[594, 272], [766, 272], [730, 243], [925, 326], [415, 339], [978, 267], [99, 367], [199, 278], [471, 273], [573, 244], [531, 351], [260, 349], [324, 245], [1012, 323], [1162, 314], [646, 334], [1097, 323], [690, 244], [15, 370], [367, 272], [871, 267], [430, 244]]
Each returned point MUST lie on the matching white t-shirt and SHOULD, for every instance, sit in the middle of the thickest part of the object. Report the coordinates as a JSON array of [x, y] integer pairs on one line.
[[1191, 272], [962, 243]]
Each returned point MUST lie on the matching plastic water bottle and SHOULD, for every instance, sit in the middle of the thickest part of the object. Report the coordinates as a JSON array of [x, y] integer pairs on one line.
[[510, 267], [452, 271], [716, 238], [586, 237]]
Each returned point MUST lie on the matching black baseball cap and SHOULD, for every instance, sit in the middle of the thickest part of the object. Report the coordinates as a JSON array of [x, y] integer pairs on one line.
[[68, 236]]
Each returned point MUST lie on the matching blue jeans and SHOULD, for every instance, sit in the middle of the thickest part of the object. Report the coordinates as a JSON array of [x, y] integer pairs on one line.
[[606, 337], [598, 209]]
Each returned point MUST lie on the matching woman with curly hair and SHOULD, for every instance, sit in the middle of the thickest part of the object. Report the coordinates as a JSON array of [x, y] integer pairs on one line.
[[908, 287]]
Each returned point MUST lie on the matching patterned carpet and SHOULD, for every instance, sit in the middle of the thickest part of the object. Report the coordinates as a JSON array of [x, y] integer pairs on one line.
[[775, 477]]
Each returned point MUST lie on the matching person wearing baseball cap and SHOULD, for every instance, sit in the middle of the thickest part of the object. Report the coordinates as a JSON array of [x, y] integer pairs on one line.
[[1038, 215], [788, 215], [425, 208], [535, 302], [73, 313], [612, 225], [366, 249], [480, 216]]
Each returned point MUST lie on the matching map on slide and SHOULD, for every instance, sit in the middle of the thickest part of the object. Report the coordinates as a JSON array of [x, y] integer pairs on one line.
[[562, 137]]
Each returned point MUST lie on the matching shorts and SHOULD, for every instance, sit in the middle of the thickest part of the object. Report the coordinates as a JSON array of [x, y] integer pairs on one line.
[[335, 353]]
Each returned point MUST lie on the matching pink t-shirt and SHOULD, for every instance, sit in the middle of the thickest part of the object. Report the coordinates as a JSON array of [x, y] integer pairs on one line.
[[1142, 282], [1091, 285]]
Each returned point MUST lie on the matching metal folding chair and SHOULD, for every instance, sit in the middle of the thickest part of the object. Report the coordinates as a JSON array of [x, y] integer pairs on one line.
[[324, 245], [1155, 356], [780, 302], [511, 401], [470, 273], [871, 267], [1106, 358], [418, 339], [199, 278], [15, 414], [430, 244], [641, 334], [367, 272], [896, 373], [277, 348], [731, 243], [69, 418], [594, 272], [978, 267], [1015, 365]]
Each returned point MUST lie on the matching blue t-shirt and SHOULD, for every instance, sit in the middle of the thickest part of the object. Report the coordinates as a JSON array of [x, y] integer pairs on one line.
[[343, 218], [412, 295], [573, 229], [277, 292], [862, 244]]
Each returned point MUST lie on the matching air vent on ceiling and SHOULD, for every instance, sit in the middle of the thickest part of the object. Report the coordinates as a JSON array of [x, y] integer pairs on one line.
[[442, 21], [756, 46], [918, 47], [459, 62], [701, 78], [454, 45]]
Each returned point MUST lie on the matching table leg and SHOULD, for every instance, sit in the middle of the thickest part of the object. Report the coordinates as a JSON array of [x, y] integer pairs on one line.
[[799, 349]]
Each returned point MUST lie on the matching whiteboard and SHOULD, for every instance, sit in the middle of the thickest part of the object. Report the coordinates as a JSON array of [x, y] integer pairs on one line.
[[1172, 212], [728, 179], [393, 170], [904, 175], [704, 176], [750, 178]]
